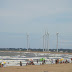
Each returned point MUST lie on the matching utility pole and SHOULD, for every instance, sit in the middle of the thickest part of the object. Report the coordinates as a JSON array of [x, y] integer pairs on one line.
[[57, 40]]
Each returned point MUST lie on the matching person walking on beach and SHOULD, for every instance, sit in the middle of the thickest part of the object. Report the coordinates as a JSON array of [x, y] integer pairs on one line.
[[44, 61], [37, 60], [2, 64], [51, 61], [71, 60], [56, 61], [20, 63]]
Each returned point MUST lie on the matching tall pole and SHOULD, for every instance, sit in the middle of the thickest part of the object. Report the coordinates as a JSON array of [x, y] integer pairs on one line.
[[43, 42], [27, 42], [57, 41], [48, 41]]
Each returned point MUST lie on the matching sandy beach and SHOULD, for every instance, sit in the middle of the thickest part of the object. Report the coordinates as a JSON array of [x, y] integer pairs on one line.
[[39, 68]]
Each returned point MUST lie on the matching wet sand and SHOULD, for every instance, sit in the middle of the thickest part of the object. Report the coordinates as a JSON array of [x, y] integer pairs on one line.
[[39, 68]]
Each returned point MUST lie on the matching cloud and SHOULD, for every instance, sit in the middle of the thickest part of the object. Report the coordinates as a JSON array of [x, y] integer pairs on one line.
[[34, 9]]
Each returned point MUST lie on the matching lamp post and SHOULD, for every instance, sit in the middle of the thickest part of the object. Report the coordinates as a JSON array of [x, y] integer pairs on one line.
[[57, 40]]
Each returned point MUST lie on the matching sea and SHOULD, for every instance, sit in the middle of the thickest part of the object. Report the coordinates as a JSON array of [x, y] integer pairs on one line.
[[13, 58]]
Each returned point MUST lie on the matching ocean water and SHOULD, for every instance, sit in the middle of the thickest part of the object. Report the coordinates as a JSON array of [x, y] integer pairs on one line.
[[14, 58]]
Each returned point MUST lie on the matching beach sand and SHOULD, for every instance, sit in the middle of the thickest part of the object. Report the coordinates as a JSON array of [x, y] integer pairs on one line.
[[39, 68]]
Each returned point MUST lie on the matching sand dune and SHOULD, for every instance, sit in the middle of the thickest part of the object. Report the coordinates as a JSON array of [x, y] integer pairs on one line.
[[39, 68]]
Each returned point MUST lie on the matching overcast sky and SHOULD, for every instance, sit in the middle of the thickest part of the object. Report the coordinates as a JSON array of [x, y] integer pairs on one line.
[[18, 17]]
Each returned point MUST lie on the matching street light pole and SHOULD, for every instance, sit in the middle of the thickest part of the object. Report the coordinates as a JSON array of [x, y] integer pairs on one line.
[[57, 40]]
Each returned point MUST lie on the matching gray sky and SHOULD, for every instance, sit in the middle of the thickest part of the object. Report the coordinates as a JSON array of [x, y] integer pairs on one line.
[[18, 17]]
